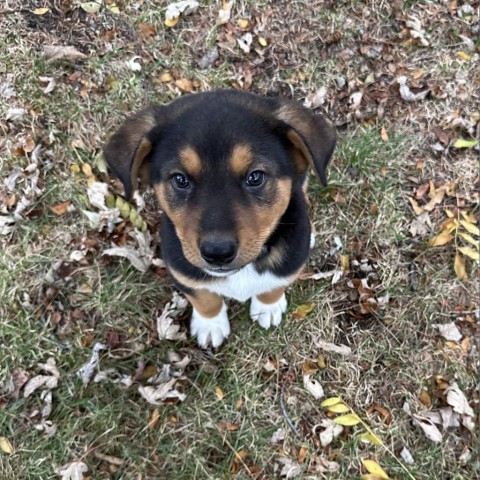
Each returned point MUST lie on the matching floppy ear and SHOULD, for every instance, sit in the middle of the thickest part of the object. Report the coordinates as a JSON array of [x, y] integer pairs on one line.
[[312, 138], [128, 150]]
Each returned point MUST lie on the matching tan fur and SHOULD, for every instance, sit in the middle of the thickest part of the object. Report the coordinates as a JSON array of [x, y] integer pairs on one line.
[[257, 223], [186, 223], [206, 303], [240, 160], [271, 297], [191, 162]]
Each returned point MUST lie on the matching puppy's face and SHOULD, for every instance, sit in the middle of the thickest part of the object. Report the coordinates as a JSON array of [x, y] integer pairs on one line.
[[224, 185], [223, 165]]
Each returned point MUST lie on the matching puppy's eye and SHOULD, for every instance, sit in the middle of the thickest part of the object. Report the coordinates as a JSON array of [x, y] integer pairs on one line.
[[256, 178], [179, 180]]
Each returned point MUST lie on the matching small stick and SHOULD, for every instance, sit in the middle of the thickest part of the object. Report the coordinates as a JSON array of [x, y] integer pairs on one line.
[[238, 457], [287, 378]]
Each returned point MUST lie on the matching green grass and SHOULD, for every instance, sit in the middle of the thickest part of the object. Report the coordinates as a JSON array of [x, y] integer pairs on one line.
[[395, 351]]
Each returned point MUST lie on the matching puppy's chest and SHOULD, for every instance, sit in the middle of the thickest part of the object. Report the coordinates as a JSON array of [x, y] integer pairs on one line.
[[247, 283]]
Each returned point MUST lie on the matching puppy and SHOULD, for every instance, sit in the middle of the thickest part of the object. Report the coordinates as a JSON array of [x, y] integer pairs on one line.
[[229, 169]]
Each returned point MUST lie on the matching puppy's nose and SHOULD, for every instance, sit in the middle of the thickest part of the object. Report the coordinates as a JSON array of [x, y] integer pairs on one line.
[[218, 251]]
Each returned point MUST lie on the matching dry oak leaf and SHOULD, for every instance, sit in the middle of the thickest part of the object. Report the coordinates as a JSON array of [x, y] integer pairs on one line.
[[72, 471], [62, 52]]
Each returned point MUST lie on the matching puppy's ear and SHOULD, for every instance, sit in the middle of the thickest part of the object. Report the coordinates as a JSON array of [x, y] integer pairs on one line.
[[127, 152], [311, 137]]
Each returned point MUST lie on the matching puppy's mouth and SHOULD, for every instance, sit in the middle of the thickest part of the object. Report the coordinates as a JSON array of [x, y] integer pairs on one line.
[[220, 271]]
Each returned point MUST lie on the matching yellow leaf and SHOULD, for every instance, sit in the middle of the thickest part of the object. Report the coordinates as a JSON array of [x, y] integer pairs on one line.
[[462, 143], [371, 437], [166, 77], [90, 7], [449, 213], [470, 227], [459, 267], [470, 252], [345, 262], [171, 22], [384, 134], [244, 24], [440, 240], [87, 169], [469, 238], [6, 446], [416, 207], [262, 41], [219, 393], [463, 55], [374, 468], [371, 476], [75, 168], [468, 216], [113, 8], [347, 420], [339, 408], [331, 401], [41, 11], [303, 310], [449, 225]]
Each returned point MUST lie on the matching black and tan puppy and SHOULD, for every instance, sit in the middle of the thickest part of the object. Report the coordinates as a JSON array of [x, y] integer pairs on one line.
[[229, 170]]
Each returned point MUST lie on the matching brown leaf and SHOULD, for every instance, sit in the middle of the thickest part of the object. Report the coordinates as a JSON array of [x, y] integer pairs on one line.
[[146, 29], [418, 210], [60, 208], [425, 399], [421, 191], [62, 52], [302, 454], [184, 84], [384, 134]]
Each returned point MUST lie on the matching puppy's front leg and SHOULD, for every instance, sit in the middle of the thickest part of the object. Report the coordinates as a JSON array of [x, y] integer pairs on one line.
[[267, 309], [209, 318]]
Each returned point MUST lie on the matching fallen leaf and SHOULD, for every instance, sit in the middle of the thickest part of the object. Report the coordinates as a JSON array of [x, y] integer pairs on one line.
[[470, 252], [428, 427], [219, 393], [245, 42], [424, 397], [456, 398], [47, 382], [440, 240], [60, 208], [329, 402], [449, 331], [262, 41], [173, 11], [41, 11], [470, 227], [469, 239], [469, 217], [184, 84], [86, 371], [303, 310], [384, 134], [347, 420], [407, 456], [407, 94], [313, 386], [331, 347], [320, 464], [338, 408], [463, 143], [418, 210], [62, 52], [209, 59], [459, 267], [374, 468], [133, 64], [6, 446], [91, 7], [158, 394], [225, 12], [72, 471], [302, 454], [370, 438]]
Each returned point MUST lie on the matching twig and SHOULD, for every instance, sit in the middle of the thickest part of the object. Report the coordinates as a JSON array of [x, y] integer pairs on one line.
[[287, 379]]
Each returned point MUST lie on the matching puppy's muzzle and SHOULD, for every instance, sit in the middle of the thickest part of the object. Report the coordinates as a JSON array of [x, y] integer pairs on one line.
[[218, 251]]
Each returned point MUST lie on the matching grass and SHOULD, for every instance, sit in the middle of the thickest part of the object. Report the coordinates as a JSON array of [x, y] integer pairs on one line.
[[395, 351]]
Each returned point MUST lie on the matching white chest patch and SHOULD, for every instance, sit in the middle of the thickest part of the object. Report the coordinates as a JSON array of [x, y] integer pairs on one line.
[[247, 283]]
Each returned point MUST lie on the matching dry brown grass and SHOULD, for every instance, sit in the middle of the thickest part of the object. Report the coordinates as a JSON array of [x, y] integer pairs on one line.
[[395, 351]]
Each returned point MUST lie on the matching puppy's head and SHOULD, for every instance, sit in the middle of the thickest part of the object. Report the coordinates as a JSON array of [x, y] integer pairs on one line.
[[223, 165]]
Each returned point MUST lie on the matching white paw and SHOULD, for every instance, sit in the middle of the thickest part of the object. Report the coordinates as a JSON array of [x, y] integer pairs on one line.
[[268, 314], [210, 331]]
